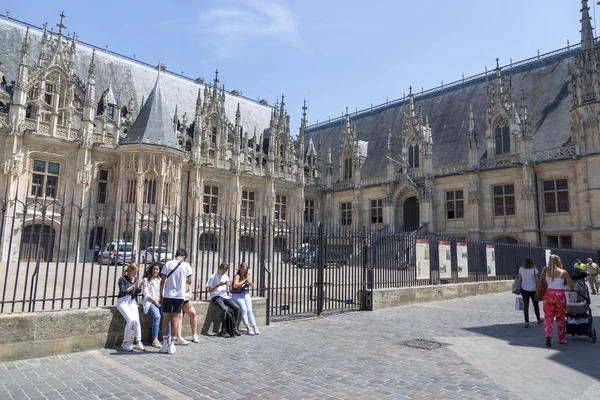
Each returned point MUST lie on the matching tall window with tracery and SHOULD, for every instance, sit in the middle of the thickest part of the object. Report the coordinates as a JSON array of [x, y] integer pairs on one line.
[[44, 180], [150, 191], [280, 207], [347, 167], [248, 198], [502, 135], [413, 156], [211, 199], [131, 189]]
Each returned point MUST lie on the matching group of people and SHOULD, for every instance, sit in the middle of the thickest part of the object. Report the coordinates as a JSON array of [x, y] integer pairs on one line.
[[554, 300], [167, 293]]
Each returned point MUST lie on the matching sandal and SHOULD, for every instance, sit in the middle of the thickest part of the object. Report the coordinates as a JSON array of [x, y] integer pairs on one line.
[[548, 341], [562, 342], [526, 325], [541, 321]]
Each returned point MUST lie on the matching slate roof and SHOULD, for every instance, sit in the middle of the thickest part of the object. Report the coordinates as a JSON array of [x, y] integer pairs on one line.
[[544, 81], [153, 125], [129, 79]]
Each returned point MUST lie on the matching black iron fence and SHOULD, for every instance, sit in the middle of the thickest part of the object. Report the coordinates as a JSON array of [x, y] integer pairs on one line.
[[64, 255]]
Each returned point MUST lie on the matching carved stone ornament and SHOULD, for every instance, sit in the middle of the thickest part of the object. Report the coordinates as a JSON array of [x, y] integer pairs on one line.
[[270, 200], [13, 166], [425, 193], [84, 175], [196, 190], [473, 195]]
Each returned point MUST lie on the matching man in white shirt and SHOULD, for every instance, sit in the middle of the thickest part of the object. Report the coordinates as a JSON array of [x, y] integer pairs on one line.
[[175, 275], [218, 286]]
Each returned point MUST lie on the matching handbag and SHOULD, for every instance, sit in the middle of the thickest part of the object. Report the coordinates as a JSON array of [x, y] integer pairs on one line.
[[542, 285], [519, 303], [516, 285]]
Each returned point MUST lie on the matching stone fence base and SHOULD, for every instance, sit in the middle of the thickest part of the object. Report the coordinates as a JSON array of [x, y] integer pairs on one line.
[[394, 297], [46, 333]]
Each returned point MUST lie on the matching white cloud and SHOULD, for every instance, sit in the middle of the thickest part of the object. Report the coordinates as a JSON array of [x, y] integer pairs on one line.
[[235, 25]]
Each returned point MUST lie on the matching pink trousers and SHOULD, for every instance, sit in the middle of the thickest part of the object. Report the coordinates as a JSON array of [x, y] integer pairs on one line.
[[555, 306]]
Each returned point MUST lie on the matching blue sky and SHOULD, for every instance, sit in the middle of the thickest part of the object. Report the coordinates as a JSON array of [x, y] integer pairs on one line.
[[333, 53]]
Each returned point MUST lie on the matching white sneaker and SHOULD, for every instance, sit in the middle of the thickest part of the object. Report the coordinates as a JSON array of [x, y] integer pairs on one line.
[[256, 331], [172, 348], [250, 331], [139, 346], [195, 339], [182, 342], [127, 346], [164, 349]]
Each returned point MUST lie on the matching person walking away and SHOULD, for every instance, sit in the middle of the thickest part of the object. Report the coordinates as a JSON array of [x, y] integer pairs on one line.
[[218, 286], [150, 303], [555, 301], [592, 270], [175, 275], [190, 310], [96, 252], [242, 282], [128, 307], [529, 278]]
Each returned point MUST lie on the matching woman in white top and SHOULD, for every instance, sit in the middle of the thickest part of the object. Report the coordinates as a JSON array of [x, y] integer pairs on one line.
[[529, 278], [151, 292], [555, 301]]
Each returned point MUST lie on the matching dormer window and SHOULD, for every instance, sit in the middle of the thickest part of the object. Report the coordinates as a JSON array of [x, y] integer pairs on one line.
[[213, 135], [413, 156], [48, 93], [110, 111], [502, 135], [348, 167]]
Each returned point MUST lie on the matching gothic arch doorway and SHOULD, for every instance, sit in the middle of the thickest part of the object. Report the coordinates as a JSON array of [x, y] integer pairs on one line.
[[411, 214], [37, 240]]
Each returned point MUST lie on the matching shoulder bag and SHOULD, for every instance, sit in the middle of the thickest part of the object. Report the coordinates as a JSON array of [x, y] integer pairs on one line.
[[516, 285], [542, 285]]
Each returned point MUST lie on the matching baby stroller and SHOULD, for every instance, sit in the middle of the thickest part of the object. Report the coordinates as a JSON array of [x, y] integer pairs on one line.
[[579, 314]]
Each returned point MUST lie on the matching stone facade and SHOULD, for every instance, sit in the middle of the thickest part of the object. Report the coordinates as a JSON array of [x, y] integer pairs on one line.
[[508, 155]]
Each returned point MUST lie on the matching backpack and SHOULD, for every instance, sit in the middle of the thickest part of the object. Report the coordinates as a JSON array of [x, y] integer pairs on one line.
[[228, 324]]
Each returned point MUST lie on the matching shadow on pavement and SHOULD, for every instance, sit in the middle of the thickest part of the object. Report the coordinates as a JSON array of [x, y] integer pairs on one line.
[[579, 353]]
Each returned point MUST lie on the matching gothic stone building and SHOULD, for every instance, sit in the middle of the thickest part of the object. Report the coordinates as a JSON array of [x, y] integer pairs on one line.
[[508, 155]]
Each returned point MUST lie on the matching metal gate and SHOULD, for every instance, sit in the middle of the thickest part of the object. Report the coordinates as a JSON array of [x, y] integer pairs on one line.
[[320, 270]]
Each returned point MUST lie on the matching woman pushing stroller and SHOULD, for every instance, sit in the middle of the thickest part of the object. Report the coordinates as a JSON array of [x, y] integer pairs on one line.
[[555, 301]]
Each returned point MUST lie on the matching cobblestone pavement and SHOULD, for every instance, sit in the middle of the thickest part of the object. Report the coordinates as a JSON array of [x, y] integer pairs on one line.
[[352, 355]]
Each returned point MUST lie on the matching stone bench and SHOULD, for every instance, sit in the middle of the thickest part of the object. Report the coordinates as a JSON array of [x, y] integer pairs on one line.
[[46, 333]]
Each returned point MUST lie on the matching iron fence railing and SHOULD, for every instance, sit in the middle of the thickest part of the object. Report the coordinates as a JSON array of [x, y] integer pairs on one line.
[[59, 254]]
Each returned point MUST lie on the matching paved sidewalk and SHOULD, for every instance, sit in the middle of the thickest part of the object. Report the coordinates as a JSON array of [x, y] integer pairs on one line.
[[353, 355]]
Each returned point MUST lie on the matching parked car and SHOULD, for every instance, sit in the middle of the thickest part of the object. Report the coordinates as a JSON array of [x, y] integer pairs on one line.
[[305, 256], [154, 254], [117, 252], [289, 255]]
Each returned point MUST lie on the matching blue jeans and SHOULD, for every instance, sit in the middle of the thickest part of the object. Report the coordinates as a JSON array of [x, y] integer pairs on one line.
[[157, 315], [245, 302]]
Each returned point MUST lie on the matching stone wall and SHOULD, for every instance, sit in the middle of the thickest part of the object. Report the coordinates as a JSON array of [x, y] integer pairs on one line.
[[394, 297], [40, 334]]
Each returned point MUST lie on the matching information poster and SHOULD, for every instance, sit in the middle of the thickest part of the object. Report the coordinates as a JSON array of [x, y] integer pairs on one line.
[[423, 258], [445, 259], [462, 260], [490, 256], [548, 254]]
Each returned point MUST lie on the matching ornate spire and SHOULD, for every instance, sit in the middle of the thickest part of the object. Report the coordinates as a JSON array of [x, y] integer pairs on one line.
[[471, 134], [303, 121], [388, 150], [61, 25], [25, 48], [92, 69], [587, 33], [238, 115], [199, 101]]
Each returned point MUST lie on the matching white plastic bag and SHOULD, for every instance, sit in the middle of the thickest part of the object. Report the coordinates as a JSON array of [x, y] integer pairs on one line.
[[518, 303]]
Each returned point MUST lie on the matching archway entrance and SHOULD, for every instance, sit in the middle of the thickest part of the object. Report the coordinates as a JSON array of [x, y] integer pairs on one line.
[[37, 240], [411, 214], [146, 239]]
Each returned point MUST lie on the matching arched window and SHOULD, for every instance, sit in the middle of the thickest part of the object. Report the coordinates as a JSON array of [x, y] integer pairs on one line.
[[502, 134], [347, 167], [413, 156]]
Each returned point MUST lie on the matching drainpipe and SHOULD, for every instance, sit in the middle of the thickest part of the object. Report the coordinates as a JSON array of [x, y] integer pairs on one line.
[[537, 208]]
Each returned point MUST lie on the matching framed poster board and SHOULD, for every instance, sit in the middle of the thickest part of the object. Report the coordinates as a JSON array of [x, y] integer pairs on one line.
[[490, 257], [462, 260], [445, 259], [423, 259]]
